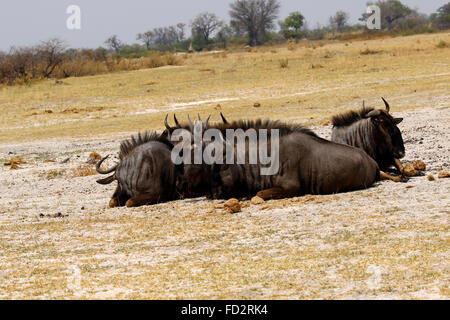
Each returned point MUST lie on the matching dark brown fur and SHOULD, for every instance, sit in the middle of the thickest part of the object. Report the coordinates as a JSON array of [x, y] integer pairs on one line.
[[374, 131], [308, 164], [145, 173]]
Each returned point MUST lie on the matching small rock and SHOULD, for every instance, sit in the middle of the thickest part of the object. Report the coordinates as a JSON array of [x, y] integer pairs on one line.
[[228, 211], [65, 160], [419, 165], [14, 161], [409, 171], [431, 177], [49, 160], [257, 200], [409, 187], [232, 206], [257, 105], [443, 174]]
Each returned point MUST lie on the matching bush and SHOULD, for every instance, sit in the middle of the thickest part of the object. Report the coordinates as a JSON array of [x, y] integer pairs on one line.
[[49, 60], [442, 44], [284, 63]]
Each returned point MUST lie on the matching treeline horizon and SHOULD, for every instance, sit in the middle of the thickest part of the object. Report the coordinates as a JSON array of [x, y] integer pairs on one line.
[[252, 23]]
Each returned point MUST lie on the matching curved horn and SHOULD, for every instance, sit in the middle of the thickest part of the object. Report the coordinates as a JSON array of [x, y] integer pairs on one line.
[[207, 121], [388, 108], [191, 125], [99, 170], [176, 121], [167, 124], [223, 118], [108, 180], [364, 107]]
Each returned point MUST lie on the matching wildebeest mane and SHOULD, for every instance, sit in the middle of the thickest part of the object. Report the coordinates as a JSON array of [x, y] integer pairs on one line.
[[350, 117], [127, 146], [284, 128]]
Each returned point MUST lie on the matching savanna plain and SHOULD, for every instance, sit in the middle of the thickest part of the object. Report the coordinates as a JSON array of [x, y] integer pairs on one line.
[[59, 239]]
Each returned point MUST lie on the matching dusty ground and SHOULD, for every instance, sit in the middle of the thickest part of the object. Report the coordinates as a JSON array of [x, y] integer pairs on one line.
[[58, 239]]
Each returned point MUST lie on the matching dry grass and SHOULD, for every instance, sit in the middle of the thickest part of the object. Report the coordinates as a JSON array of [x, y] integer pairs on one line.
[[442, 44], [59, 240], [83, 171], [123, 102]]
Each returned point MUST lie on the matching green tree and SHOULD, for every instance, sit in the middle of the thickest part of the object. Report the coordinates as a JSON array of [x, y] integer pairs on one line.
[[393, 13], [442, 18], [292, 25]]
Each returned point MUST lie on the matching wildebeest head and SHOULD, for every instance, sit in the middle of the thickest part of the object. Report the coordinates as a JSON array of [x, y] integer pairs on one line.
[[389, 135], [196, 177], [145, 170]]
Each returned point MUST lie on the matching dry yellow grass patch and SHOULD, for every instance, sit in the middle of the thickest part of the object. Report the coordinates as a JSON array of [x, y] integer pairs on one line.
[[322, 78], [83, 171]]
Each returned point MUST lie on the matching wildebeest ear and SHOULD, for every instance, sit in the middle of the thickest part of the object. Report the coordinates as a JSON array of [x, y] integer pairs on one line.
[[107, 180], [165, 134], [398, 120]]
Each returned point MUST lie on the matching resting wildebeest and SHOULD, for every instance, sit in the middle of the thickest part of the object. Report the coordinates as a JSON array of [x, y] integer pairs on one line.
[[145, 173], [196, 179], [308, 164], [374, 131]]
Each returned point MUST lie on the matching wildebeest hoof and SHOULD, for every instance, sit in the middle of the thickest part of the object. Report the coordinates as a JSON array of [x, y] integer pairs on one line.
[[403, 179], [130, 204], [113, 203]]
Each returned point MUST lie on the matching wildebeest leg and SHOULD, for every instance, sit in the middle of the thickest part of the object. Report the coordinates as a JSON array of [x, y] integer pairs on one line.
[[141, 200], [398, 165], [274, 193], [118, 199], [113, 203], [387, 176]]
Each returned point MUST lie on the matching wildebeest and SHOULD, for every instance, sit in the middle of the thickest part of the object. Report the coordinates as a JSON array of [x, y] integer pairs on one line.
[[374, 131], [308, 165], [196, 178], [145, 173]]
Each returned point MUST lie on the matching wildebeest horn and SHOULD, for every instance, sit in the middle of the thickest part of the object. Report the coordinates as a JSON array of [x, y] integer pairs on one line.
[[207, 121], [387, 105], [191, 125], [176, 121], [99, 170], [364, 107], [108, 180], [223, 118], [166, 124]]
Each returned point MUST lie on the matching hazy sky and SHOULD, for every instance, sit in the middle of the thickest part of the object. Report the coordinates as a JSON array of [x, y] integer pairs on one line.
[[28, 22]]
